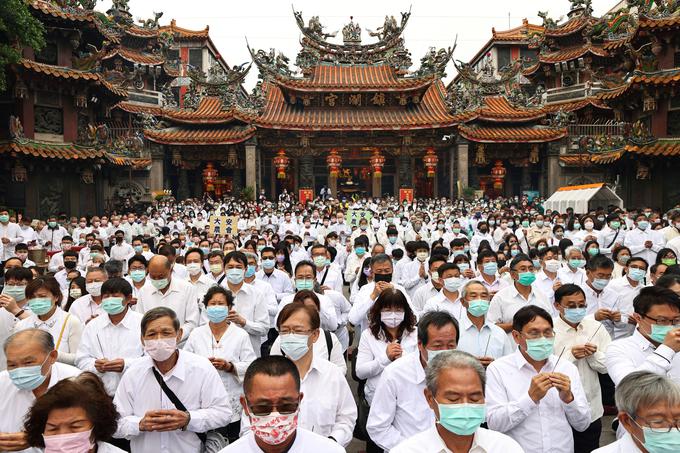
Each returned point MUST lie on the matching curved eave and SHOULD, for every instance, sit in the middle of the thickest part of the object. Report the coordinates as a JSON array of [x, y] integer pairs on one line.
[[307, 85], [663, 23], [573, 106], [572, 26], [61, 151], [138, 108], [569, 54], [53, 10], [511, 134], [135, 57], [184, 136]]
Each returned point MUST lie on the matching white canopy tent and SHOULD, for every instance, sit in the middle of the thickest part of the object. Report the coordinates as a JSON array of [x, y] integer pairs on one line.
[[583, 198]]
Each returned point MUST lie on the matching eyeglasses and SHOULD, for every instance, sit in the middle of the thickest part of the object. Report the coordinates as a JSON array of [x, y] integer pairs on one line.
[[660, 425], [665, 322], [295, 331], [537, 335], [285, 408]]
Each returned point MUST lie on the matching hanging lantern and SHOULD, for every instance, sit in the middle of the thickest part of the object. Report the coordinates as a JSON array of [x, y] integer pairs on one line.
[[498, 174], [430, 159], [281, 163], [377, 163], [334, 161], [209, 176], [19, 173]]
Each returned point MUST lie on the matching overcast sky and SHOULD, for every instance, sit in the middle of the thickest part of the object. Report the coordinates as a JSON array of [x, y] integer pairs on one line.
[[270, 23]]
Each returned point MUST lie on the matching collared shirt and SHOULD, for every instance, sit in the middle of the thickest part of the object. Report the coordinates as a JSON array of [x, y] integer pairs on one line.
[[587, 331], [13, 232], [278, 280], [609, 238], [53, 236], [607, 298], [197, 385], [103, 340], [422, 295], [305, 442], [635, 241], [545, 285], [250, 303], [410, 277], [495, 286], [64, 328], [637, 353], [626, 293], [329, 317], [624, 445], [485, 441], [85, 308], [201, 286], [508, 301], [372, 357], [490, 341], [539, 428], [15, 403], [320, 347], [333, 279], [358, 315], [399, 409], [270, 300], [180, 296], [566, 275], [442, 303], [234, 347], [122, 252]]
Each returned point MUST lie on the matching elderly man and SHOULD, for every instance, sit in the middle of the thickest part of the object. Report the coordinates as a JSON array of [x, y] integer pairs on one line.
[[455, 393], [399, 409], [167, 291], [169, 398], [87, 307], [32, 369], [649, 409]]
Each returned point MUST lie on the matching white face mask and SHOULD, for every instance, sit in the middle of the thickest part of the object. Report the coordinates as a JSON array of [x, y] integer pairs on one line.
[[392, 319], [160, 350], [194, 268], [94, 288]]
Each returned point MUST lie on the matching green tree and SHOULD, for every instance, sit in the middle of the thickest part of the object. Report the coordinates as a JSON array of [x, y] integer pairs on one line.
[[18, 28]]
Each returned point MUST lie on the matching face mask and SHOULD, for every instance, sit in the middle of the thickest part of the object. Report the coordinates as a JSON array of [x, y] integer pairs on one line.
[[593, 251], [452, 284], [70, 265], [615, 225], [275, 428], [93, 255], [95, 288], [360, 250], [422, 256], [392, 239], [160, 350], [526, 278], [250, 271], [490, 269], [525, 223], [52, 224], [302, 284], [294, 345], [541, 247], [552, 265], [577, 226], [461, 419], [577, 264], [137, 275], [205, 250], [511, 224], [113, 305], [539, 223], [216, 268], [235, 276], [432, 354], [382, 278], [392, 319], [319, 261], [194, 268], [643, 225], [589, 225], [69, 443], [668, 261], [40, 305], [536, 263], [268, 264], [600, 283], [217, 313], [28, 377], [458, 253], [575, 315], [160, 284], [363, 227], [478, 307], [4, 218], [660, 442], [455, 230], [434, 276], [659, 333], [540, 348], [17, 292], [463, 266], [514, 252], [637, 275]]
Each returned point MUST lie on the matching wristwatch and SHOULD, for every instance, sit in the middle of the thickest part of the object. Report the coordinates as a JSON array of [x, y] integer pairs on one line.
[[184, 428]]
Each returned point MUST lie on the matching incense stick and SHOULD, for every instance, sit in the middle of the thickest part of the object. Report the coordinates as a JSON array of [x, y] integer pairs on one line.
[[593, 336], [487, 345], [101, 348], [558, 358]]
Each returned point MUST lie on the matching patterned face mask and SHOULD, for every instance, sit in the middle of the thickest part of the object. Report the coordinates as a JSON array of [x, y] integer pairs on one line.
[[275, 428]]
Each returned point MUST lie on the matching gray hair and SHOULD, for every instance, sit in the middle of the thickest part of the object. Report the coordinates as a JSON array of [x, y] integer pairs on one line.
[[251, 255], [643, 389], [42, 337], [452, 359], [380, 258], [469, 283], [572, 248]]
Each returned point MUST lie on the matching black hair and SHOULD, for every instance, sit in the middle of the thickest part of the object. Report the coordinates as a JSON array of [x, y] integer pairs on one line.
[[486, 253], [447, 267], [599, 262], [555, 250], [217, 289], [236, 256], [655, 295], [433, 258], [138, 259], [527, 314], [195, 250], [667, 280], [519, 258], [274, 366], [305, 263], [568, 290], [117, 285], [437, 319], [158, 313]]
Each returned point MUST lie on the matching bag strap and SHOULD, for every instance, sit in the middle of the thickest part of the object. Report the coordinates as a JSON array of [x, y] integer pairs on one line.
[[329, 343], [61, 334], [219, 282], [173, 398], [325, 274], [614, 240]]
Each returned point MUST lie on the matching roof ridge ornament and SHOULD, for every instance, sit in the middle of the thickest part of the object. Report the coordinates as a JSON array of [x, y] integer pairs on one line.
[[351, 33]]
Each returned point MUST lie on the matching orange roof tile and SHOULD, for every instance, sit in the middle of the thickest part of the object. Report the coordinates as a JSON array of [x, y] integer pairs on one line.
[[656, 78], [665, 22], [51, 9], [597, 185], [354, 78], [210, 111], [499, 109], [606, 158], [531, 69], [212, 136], [136, 57], [615, 44], [141, 32], [572, 106], [139, 108], [50, 150], [511, 134], [70, 73], [573, 25], [431, 112], [662, 147], [571, 53], [575, 160], [520, 33], [136, 163], [184, 33]]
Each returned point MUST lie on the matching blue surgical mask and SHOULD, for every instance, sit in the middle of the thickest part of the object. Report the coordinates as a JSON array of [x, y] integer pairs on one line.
[[432, 354], [526, 278], [659, 332], [637, 275], [160, 283], [205, 250], [659, 441], [113, 305], [600, 283], [452, 284], [540, 348], [303, 284], [576, 263], [40, 305], [217, 313], [478, 307], [463, 266], [28, 377], [138, 248], [137, 275], [575, 315], [294, 345], [235, 276], [461, 419], [16, 292], [268, 264], [490, 269], [360, 250], [250, 271]]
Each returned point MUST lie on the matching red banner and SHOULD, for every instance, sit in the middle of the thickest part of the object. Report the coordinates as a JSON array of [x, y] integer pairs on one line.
[[305, 195], [405, 194]]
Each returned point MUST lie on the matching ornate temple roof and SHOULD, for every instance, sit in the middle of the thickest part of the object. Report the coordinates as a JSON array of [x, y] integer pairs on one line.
[[508, 134], [210, 110], [573, 25], [521, 33], [571, 53], [66, 13], [184, 33], [135, 56], [200, 136], [499, 109]]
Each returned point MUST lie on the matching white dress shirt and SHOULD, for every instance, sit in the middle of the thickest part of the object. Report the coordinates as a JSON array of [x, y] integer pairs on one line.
[[635, 241], [103, 340], [626, 292], [329, 317], [15, 403], [508, 301], [279, 280], [85, 308], [28, 235], [410, 277], [320, 350], [399, 409], [609, 238], [358, 315], [637, 353], [485, 441], [234, 347], [422, 295], [442, 303], [196, 384], [545, 285], [566, 337], [201, 286], [180, 296], [490, 341], [250, 303], [624, 445], [53, 236], [372, 357], [333, 279], [65, 329], [495, 286], [13, 232], [305, 442], [539, 428], [566, 275]]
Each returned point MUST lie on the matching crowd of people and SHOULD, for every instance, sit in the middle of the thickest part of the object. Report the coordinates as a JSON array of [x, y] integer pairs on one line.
[[462, 326]]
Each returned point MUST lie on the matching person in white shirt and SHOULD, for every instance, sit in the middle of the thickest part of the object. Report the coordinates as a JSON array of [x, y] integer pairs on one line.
[[455, 393], [10, 235], [354, 259], [277, 279], [32, 369], [479, 336], [327, 277], [111, 342], [448, 298], [272, 402], [121, 250], [399, 409], [584, 342], [216, 267], [482, 234], [611, 236], [627, 287], [167, 291], [179, 271], [573, 272], [131, 228], [148, 416], [415, 274], [643, 241], [546, 279], [655, 343], [88, 307], [137, 275], [57, 260], [288, 225], [433, 286], [532, 395], [28, 234], [228, 348], [521, 293], [649, 408], [487, 266], [200, 281], [51, 234]]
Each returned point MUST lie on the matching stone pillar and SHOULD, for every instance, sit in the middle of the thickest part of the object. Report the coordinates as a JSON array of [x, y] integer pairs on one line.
[[405, 172], [376, 186], [236, 182], [251, 165], [157, 167], [452, 169], [333, 185], [183, 186], [306, 170], [462, 164], [554, 170]]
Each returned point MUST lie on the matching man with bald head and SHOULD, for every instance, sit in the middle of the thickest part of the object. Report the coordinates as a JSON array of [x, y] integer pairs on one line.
[[32, 369], [165, 291]]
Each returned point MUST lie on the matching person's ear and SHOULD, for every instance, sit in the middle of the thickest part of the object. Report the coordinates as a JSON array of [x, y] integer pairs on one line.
[[430, 400], [53, 356], [315, 335], [516, 336], [180, 333], [244, 404]]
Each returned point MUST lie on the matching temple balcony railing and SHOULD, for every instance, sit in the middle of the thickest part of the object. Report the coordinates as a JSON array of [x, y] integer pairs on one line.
[[146, 97], [598, 137], [573, 92]]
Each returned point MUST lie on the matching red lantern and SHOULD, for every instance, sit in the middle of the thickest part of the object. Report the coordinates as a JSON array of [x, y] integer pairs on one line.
[[334, 161], [281, 163], [430, 159], [498, 175], [377, 163], [209, 176]]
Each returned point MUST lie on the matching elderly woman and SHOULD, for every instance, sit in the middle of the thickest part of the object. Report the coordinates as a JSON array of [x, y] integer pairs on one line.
[[573, 272], [649, 408], [76, 415]]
